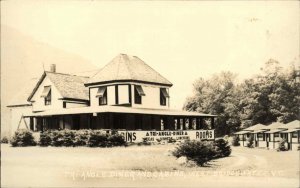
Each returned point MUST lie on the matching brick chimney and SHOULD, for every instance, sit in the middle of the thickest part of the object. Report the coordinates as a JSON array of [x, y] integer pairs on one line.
[[52, 68]]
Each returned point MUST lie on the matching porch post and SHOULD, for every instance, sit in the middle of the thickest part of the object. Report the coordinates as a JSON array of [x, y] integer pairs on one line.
[[291, 138], [243, 138], [34, 124]]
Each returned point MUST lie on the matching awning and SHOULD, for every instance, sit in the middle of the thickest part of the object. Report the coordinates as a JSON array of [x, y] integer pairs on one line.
[[140, 90], [101, 92], [242, 132], [164, 92], [290, 130], [117, 109], [274, 131], [46, 91]]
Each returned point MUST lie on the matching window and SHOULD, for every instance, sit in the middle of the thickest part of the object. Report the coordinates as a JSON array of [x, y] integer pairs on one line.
[[138, 93], [47, 95], [294, 134], [163, 96], [261, 136], [276, 135], [102, 95]]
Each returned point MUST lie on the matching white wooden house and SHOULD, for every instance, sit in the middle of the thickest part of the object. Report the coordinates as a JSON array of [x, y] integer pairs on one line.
[[126, 95]]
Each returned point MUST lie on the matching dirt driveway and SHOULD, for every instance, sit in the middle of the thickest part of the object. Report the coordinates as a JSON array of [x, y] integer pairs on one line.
[[149, 166]]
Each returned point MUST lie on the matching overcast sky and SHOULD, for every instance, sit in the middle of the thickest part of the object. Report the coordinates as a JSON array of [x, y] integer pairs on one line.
[[181, 40]]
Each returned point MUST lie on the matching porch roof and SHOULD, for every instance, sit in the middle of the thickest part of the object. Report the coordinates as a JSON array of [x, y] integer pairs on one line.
[[290, 130], [117, 109]]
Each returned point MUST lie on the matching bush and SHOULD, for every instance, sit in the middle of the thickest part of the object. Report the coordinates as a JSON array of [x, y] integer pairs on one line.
[[235, 141], [4, 140], [250, 142], [45, 139], [203, 151], [97, 139], [22, 138], [198, 151], [116, 140], [222, 148], [81, 138], [57, 138], [68, 138], [281, 145]]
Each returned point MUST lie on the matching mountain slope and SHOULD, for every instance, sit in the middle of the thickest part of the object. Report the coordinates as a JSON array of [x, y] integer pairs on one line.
[[24, 58]]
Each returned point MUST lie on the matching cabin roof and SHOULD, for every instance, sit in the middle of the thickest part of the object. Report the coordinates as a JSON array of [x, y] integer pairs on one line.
[[127, 68], [256, 127], [276, 125], [291, 125], [69, 86]]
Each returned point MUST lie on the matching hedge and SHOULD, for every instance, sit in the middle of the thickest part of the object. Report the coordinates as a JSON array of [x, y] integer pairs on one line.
[[72, 138]]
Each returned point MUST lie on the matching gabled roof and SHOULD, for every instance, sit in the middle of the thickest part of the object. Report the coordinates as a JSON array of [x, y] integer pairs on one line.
[[69, 86], [256, 127], [276, 125], [292, 125], [127, 68]]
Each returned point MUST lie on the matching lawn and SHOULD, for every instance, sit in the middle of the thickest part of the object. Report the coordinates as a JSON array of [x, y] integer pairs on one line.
[[143, 166]]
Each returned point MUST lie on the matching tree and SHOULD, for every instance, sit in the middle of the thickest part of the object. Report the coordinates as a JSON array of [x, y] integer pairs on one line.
[[217, 95], [273, 95]]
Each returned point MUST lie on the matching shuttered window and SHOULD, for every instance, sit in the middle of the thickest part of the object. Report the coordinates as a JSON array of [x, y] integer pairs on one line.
[[46, 94], [163, 96], [102, 95], [138, 93], [101, 91]]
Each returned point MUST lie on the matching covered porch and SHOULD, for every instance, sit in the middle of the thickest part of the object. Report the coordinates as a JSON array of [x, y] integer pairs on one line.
[[119, 118]]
